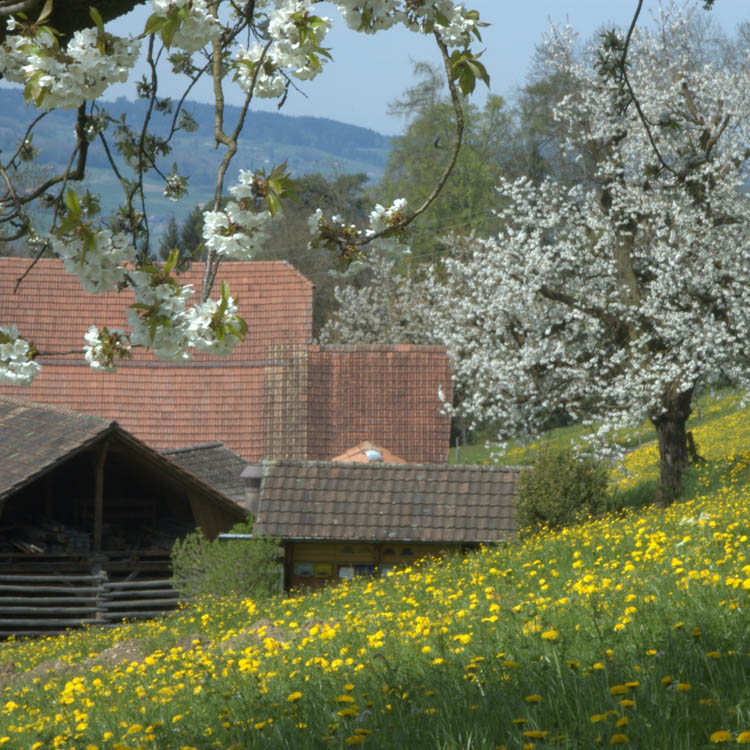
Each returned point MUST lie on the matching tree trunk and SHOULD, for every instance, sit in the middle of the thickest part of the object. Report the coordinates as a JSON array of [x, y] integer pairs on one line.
[[673, 455]]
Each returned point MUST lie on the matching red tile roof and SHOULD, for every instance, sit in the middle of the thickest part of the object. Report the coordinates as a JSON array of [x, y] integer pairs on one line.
[[277, 396]]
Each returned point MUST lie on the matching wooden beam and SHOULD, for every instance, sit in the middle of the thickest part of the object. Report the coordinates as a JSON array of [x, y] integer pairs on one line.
[[101, 457]]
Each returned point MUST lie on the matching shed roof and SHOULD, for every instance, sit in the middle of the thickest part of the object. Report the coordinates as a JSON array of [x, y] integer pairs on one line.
[[216, 465], [307, 500], [36, 438]]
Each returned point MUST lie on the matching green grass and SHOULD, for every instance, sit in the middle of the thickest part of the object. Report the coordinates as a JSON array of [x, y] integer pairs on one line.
[[630, 630]]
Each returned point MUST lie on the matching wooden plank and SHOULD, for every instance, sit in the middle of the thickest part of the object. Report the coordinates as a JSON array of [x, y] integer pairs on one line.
[[110, 585], [29, 610], [48, 578], [115, 595], [48, 589], [139, 603], [51, 600], [58, 622]]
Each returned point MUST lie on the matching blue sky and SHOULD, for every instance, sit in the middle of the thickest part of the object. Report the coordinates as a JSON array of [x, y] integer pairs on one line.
[[370, 71]]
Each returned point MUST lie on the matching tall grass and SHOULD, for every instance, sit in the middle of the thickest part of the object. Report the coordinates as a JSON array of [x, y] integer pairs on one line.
[[630, 630]]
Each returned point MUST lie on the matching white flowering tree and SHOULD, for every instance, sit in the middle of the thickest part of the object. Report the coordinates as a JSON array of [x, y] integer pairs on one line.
[[616, 298], [64, 58]]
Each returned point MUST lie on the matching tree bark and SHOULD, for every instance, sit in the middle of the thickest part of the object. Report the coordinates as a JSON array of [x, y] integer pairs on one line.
[[673, 454]]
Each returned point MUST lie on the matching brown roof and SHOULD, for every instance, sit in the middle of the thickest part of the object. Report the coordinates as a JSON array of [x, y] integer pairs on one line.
[[216, 465], [382, 502], [277, 396], [359, 454], [36, 438]]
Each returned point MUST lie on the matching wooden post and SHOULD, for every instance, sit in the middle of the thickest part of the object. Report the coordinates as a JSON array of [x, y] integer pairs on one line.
[[99, 496]]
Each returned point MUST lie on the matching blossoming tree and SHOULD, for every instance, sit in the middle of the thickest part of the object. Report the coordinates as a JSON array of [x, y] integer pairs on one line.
[[616, 298], [65, 58]]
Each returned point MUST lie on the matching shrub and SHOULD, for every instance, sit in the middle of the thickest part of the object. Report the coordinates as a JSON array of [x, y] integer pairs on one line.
[[235, 567], [561, 489]]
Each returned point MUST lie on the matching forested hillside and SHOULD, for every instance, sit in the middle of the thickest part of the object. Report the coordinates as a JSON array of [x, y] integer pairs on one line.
[[310, 144]]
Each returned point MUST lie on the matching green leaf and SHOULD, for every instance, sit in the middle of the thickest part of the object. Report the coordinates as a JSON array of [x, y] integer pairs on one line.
[[73, 203], [174, 256], [154, 23], [45, 14], [96, 17]]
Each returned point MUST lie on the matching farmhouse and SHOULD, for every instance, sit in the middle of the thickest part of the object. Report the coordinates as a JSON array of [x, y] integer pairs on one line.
[[279, 396], [88, 515], [337, 520]]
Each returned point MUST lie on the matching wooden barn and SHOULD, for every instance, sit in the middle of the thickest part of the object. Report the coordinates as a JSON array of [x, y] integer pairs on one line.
[[88, 515]]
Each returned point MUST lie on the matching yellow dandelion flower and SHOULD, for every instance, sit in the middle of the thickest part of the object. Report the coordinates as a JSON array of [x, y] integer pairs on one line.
[[533, 698], [550, 635], [721, 736], [535, 734], [295, 696], [683, 687], [619, 739], [345, 699], [618, 690], [743, 738]]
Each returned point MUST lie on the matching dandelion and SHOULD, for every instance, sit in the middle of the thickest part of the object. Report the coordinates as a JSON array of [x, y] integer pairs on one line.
[[550, 635], [533, 698], [683, 687], [743, 738], [721, 736], [619, 739], [295, 696]]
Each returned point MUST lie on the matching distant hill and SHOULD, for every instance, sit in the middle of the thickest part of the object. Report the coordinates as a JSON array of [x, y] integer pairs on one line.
[[310, 144]]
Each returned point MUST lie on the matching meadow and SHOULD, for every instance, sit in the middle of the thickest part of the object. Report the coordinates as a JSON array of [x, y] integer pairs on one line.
[[632, 630]]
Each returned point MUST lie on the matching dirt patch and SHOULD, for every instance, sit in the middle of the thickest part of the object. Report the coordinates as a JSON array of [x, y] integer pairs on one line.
[[128, 651]]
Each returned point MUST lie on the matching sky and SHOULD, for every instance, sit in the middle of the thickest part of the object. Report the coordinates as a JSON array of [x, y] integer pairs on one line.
[[369, 72]]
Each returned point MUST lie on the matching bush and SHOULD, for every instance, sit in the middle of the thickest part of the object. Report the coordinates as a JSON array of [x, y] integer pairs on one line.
[[236, 567], [561, 489]]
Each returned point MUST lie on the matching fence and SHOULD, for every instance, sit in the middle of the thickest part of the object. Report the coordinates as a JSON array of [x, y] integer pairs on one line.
[[44, 604]]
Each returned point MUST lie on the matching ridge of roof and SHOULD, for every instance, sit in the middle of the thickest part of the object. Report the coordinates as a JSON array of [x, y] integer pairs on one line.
[[378, 466], [195, 447], [58, 410]]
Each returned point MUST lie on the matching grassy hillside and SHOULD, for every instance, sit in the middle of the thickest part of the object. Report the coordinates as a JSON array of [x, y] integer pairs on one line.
[[631, 630]]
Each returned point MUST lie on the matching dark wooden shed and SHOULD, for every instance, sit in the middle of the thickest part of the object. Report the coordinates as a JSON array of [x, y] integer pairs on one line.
[[88, 515]]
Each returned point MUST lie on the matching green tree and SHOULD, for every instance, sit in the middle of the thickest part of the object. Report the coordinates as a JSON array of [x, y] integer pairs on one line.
[[234, 567], [186, 237], [418, 157]]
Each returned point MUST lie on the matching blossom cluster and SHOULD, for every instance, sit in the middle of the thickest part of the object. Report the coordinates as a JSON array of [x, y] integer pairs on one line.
[[295, 50], [237, 231], [96, 257], [453, 22], [197, 26], [17, 363], [64, 79], [105, 346], [346, 239]]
